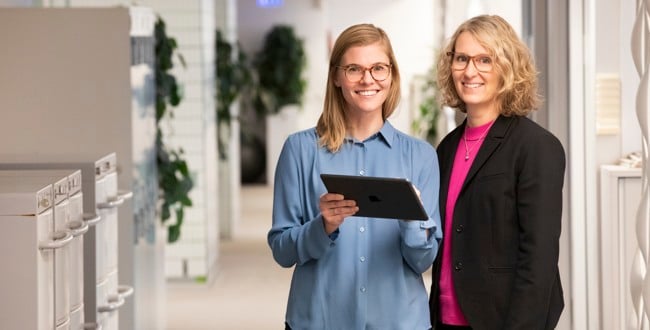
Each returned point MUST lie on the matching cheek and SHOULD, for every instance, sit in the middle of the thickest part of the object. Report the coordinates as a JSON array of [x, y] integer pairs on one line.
[[456, 76]]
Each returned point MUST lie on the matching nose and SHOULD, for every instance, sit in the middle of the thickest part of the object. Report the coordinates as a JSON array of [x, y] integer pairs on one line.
[[471, 67], [367, 77]]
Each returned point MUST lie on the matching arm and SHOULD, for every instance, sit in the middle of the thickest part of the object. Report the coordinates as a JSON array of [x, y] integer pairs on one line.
[[539, 213], [420, 239], [295, 238]]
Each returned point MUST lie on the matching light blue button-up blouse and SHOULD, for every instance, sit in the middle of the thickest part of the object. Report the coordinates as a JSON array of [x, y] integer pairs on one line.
[[367, 274]]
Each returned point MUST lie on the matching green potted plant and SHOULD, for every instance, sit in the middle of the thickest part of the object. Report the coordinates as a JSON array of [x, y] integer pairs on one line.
[[425, 124], [232, 77], [279, 66], [174, 180]]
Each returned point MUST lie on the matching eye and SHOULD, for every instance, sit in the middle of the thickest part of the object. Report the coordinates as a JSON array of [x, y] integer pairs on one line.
[[484, 59], [379, 68], [353, 69], [461, 58]]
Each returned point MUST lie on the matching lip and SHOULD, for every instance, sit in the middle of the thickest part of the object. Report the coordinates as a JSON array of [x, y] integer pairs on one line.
[[473, 85], [367, 92]]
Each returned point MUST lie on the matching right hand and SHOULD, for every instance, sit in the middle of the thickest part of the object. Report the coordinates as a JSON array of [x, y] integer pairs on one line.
[[335, 208]]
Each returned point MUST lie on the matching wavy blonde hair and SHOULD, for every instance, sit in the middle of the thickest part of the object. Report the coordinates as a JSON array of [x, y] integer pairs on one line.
[[331, 124], [513, 62]]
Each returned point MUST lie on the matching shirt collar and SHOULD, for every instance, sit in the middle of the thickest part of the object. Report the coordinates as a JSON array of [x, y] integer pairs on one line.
[[387, 133]]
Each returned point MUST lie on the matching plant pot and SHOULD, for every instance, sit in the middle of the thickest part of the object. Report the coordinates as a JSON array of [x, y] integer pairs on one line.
[[278, 128], [253, 158]]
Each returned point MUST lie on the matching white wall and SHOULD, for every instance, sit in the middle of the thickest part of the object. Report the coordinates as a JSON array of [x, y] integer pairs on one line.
[[630, 129], [412, 29]]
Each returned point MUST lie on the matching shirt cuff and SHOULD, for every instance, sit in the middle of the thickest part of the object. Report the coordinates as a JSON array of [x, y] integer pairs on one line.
[[416, 231]]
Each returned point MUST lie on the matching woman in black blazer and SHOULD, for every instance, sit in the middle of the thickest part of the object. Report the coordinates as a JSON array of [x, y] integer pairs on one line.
[[501, 178]]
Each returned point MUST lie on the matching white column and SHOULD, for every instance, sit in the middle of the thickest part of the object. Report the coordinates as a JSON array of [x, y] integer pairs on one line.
[[639, 279]]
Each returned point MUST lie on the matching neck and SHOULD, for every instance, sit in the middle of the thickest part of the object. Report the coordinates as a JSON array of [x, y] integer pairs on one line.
[[363, 127], [479, 117]]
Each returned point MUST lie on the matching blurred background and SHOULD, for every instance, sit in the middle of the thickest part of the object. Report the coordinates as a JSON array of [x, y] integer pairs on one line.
[[203, 262]]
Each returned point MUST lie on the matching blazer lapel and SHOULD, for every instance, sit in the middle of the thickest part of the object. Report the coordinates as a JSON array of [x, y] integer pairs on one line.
[[492, 141]]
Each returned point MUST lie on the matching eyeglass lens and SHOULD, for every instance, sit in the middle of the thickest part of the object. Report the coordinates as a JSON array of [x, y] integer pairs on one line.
[[378, 72], [482, 62]]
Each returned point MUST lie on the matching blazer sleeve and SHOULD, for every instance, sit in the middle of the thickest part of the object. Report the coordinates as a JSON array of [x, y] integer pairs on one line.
[[540, 171]]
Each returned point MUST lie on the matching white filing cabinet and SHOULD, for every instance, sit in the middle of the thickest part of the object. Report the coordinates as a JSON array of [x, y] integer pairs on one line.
[[103, 296], [67, 183], [32, 249], [620, 194], [90, 91]]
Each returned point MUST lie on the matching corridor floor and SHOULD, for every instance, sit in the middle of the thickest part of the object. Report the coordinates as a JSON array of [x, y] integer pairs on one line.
[[249, 290]]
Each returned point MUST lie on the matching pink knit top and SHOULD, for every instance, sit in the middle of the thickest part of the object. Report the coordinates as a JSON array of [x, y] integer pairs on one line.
[[450, 311]]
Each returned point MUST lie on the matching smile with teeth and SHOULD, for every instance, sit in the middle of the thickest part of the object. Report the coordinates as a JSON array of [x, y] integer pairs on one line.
[[367, 93], [474, 85]]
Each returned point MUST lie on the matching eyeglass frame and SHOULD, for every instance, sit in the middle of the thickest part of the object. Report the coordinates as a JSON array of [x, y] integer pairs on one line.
[[471, 58], [364, 69]]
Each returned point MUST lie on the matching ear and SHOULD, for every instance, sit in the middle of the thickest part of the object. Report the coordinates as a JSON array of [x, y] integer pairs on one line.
[[336, 81]]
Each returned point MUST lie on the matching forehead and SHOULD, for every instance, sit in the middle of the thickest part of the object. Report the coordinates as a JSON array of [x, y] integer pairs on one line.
[[468, 44], [365, 55]]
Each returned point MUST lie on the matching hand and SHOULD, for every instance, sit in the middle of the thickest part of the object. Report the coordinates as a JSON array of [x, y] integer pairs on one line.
[[335, 208]]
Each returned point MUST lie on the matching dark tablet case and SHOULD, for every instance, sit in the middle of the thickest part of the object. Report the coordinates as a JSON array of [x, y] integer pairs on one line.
[[378, 197]]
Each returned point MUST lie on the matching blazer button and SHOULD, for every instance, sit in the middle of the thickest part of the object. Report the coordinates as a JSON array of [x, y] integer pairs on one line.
[[459, 266], [460, 228]]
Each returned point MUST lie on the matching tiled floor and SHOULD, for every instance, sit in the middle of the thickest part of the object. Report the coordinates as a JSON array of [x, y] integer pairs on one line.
[[249, 291]]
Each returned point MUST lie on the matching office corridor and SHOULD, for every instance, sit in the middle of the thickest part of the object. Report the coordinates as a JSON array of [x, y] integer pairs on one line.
[[249, 290]]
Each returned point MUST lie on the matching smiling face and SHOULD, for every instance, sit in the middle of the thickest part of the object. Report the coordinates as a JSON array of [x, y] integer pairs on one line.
[[367, 95], [477, 89]]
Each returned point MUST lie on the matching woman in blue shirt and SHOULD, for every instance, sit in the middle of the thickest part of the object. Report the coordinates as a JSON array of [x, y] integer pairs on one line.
[[355, 272]]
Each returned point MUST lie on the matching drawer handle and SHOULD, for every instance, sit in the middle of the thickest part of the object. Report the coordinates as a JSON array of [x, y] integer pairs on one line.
[[124, 194], [91, 326], [92, 219], [111, 204], [124, 291], [78, 228], [114, 302], [61, 239]]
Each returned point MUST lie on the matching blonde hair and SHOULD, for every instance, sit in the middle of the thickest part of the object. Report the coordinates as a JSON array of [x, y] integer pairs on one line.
[[331, 124], [517, 92]]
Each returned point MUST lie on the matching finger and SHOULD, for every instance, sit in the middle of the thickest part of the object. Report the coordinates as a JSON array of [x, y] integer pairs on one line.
[[331, 197]]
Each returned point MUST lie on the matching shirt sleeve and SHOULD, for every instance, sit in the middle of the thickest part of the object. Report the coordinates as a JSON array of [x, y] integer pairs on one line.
[[294, 239], [419, 249]]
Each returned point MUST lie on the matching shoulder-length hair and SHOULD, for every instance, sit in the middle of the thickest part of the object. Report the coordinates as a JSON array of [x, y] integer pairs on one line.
[[331, 124], [517, 93]]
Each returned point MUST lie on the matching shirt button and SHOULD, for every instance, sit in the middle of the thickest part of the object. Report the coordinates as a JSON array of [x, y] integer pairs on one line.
[[363, 289], [362, 172], [362, 259], [459, 266], [460, 228], [362, 229]]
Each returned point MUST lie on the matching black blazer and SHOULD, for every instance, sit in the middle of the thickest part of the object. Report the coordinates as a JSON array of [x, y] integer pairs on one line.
[[507, 223]]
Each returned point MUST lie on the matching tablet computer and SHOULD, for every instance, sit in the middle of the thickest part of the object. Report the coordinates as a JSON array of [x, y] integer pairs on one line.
[[378, 197]]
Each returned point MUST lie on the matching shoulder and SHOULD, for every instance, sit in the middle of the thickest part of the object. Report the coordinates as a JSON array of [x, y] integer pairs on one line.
[[533, 132], [301, 142], [306, 136], [414, 143], [536, 139], [414, 146]]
